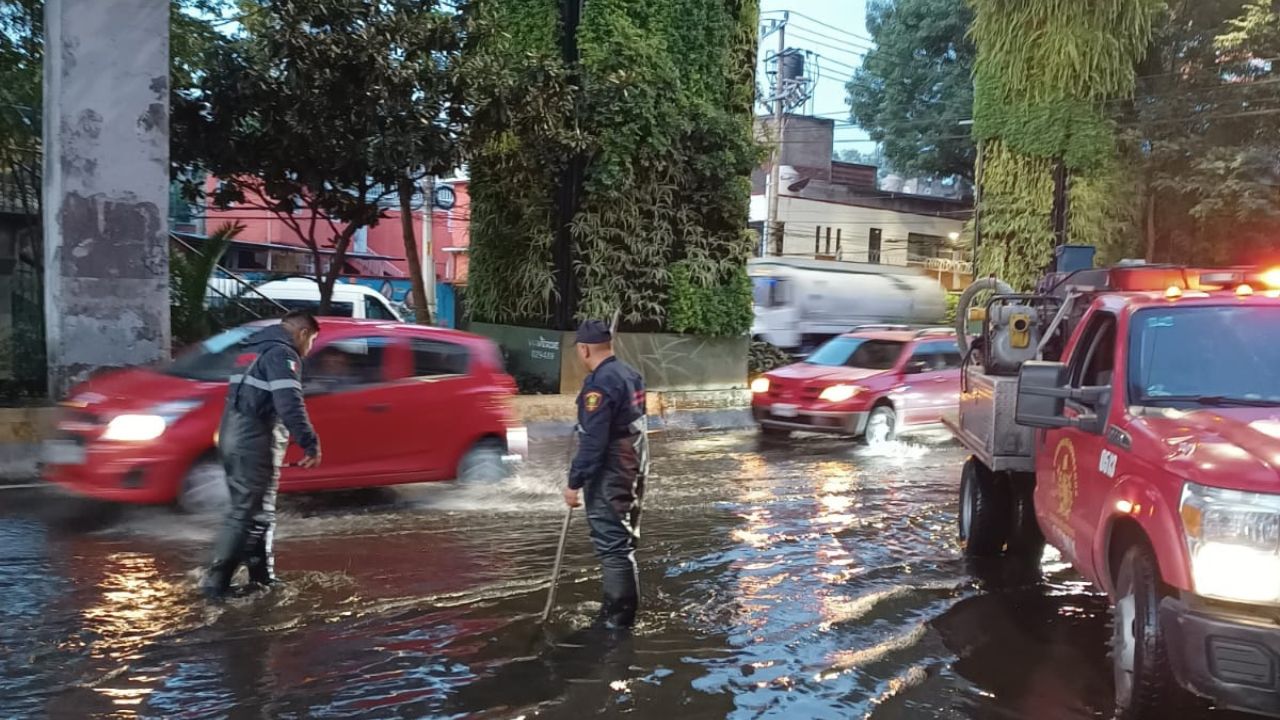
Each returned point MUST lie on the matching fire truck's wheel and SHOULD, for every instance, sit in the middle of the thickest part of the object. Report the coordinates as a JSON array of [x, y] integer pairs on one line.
[[985, 515], [1144, 681], [1026, 542], [882, 426], [483, 465], [204, 488]]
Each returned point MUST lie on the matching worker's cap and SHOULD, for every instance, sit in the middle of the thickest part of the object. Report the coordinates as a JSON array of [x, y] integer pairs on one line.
[[593, 332]]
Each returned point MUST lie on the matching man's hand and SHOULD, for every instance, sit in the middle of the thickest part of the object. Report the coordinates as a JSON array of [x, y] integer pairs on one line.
[[571, 497], [310, 461]]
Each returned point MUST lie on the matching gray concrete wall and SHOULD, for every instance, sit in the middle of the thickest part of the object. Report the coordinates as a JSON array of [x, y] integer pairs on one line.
[[106, 181]]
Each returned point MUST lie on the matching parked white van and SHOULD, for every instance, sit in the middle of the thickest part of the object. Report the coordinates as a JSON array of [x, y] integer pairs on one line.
[[349, 299]]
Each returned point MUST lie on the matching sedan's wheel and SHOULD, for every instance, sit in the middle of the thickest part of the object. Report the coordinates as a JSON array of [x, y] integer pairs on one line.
[[204, 489], [882, 427], [985, 516], [1143, 678], [483, 464]]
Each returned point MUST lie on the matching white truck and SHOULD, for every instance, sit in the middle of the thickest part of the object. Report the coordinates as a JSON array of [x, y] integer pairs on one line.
[[800, 303]]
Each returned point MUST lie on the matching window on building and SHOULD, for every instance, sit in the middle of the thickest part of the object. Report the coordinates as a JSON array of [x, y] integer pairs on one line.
[[360, 241], [828, 241], [435, 357], [922, 247], [817, 241], [837, 242], [873, 246]]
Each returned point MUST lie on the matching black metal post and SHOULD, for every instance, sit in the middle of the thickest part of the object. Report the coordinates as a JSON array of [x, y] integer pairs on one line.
[[565, 302]]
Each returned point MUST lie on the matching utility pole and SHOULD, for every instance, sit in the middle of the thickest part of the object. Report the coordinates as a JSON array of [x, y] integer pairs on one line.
[[429, 246], [773, 231], [1061, 183]]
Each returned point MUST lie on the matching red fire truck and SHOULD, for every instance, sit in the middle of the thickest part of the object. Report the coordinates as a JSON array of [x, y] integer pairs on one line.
[[1130, 416]]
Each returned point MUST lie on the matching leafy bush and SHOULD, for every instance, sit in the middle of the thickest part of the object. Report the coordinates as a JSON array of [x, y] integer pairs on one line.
[[764, 357], [953, 301], [722, 310]]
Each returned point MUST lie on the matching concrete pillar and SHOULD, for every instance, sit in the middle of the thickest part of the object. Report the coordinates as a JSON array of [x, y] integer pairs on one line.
[[106, 185]]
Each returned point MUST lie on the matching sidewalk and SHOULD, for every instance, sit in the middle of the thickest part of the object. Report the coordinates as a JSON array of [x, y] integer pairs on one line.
[[547, 416]]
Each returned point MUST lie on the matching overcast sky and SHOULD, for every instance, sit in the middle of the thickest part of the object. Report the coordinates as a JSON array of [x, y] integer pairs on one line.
[[835, 30]]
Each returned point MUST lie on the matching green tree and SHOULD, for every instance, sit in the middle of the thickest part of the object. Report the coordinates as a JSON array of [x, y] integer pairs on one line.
[[916, 86], [324, 107], [1204, 118], [658, 112], [189, 276]]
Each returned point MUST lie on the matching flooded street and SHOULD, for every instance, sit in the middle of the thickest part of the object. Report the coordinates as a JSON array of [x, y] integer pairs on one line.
[[807, 580]]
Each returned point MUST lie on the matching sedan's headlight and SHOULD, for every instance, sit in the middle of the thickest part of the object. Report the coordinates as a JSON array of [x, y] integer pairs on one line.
[[141, 427], [839, 393], [760, 385], [1234, 541]]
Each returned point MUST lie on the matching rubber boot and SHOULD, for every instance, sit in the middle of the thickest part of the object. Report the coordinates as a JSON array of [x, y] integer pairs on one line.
[[621, 599], [260, 563], [216, 583]]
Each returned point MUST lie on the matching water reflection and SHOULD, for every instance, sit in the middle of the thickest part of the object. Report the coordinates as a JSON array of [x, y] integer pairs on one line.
[[816, 580]]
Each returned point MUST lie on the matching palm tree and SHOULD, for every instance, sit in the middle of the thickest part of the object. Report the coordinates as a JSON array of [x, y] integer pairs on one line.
[[189, 274]]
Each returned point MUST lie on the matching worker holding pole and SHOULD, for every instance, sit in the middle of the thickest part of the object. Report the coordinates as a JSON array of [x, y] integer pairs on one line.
[[609, 469]]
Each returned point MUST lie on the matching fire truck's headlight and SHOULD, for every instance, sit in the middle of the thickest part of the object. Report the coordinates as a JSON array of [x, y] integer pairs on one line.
[[1234, 541]]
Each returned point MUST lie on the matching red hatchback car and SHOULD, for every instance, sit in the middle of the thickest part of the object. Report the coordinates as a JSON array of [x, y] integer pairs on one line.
[[874, 382], [392, 404]]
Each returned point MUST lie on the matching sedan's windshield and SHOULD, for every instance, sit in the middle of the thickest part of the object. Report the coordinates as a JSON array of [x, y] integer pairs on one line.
[[1205, 356], [215, 358], [857, 353]]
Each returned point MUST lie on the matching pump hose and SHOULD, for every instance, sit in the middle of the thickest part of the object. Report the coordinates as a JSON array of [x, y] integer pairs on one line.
[[966, 299]]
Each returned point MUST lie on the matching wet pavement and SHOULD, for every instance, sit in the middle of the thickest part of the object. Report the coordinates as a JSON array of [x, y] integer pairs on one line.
[[811, 579]]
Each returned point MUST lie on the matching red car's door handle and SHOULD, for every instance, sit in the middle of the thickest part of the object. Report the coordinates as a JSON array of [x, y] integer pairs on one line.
[[380, 408]]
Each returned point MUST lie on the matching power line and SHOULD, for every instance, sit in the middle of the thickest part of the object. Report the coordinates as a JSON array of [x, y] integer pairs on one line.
[[844, 43], [819, 22], [830, 46]]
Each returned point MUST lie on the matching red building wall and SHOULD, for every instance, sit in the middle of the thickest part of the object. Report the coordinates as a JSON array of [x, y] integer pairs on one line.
[[449, 229]]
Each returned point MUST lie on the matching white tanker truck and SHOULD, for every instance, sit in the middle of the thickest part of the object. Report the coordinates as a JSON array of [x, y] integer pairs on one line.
[[800, 303]]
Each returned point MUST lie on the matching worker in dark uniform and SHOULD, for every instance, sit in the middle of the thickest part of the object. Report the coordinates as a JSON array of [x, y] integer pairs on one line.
[[264, 408], [610, 467]]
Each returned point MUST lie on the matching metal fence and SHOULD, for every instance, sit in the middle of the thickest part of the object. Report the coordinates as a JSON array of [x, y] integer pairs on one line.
[[23, 374]]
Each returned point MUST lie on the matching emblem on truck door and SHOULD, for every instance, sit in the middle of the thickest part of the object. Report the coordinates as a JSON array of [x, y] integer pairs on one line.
[[1065, 476]]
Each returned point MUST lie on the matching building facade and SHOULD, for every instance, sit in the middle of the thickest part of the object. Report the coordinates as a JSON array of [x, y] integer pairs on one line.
[[832, 210]]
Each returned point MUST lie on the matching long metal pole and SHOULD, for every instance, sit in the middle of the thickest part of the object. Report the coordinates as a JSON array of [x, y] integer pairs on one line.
[[555, 572], [428, 245], [773, 234]]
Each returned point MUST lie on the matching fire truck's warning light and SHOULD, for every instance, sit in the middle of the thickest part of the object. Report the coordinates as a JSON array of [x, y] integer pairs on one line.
[[1173, 293], [1271, 278], [1244, 290]]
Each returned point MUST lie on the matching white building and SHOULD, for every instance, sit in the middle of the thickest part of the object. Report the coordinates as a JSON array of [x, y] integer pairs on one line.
[[833, 210]]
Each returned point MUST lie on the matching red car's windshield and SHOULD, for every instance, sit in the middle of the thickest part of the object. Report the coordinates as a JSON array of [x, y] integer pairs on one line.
[[857, 353], [213, 359]]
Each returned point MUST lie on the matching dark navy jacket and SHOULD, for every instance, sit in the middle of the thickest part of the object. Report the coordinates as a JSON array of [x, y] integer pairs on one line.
[[609, 406], [270, 389]]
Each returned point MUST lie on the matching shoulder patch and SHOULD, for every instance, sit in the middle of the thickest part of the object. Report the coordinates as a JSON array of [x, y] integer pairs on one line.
[[592, 401], [293, 366]]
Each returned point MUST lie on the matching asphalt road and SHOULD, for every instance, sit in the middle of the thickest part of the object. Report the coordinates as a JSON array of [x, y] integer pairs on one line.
[[811, 579]]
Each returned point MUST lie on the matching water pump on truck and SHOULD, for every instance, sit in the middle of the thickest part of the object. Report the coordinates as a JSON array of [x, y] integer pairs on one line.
[[1130, 416]]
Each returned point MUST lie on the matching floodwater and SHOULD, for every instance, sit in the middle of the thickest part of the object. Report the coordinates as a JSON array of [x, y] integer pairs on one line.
[[810, 579]]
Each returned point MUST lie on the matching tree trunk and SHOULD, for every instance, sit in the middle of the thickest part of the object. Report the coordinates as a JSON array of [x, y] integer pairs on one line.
[[1150, 225], [338, 259], [420, 306]]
